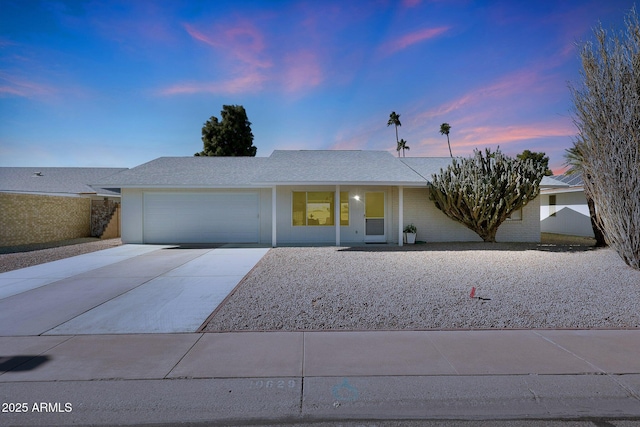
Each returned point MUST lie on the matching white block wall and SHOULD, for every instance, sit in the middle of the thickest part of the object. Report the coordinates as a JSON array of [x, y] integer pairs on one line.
[[432, 224], [435, 226], [572, 215]]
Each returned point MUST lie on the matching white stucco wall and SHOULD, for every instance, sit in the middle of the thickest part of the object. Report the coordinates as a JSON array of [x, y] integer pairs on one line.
[[432, 224], [572, 214], [435, 226], [131, 215]]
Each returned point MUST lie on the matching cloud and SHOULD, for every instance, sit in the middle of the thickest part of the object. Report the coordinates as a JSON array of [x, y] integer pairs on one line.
[[252, 82], [410, 39], [12, 85], [411, 3], [504, 135], [551, 137], [251, 61], [247, 64], [517, 87], [242, 42], [137, 26], [302, 70]]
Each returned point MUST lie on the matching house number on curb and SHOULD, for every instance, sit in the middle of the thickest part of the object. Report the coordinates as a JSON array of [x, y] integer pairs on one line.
[[272, 384], [344, 392]]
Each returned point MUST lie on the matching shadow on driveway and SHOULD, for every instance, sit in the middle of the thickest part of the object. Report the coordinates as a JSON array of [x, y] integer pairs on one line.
[[22, 362]]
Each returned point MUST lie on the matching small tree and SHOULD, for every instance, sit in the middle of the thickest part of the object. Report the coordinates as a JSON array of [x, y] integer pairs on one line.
[[231, 136], [402, 145], [445, 128], [607, 115], [394, 119], [537, 157], [481, 192]]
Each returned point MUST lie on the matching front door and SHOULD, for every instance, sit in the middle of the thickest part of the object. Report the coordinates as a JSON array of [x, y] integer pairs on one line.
[[374, 227]]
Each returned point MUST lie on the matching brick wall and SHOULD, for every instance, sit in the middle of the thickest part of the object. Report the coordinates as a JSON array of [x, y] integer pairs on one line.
[[26, 218]]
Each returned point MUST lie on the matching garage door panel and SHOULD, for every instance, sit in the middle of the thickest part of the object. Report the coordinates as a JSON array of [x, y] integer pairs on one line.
[[201, 217]]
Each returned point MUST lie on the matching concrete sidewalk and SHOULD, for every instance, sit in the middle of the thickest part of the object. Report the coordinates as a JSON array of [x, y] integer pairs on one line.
[[286, 377]]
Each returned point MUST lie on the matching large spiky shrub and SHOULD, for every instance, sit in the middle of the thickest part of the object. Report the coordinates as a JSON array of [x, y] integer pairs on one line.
[[481, 192], [607, 115]]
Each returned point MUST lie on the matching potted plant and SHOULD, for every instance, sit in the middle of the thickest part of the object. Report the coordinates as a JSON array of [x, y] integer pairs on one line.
[[410, 234]]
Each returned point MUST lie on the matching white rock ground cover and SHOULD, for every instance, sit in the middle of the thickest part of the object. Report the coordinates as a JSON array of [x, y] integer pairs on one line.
[[13, 258], [428, 287]]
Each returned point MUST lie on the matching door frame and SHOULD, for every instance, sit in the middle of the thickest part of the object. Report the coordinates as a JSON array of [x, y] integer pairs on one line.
[[376, 238]]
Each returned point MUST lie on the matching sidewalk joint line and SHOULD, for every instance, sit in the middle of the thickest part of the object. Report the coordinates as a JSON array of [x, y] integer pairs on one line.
[[304, 339], [183, 356], [442, 355], [611, 376]]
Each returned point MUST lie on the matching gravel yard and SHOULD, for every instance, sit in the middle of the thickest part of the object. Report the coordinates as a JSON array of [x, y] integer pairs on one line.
[[561, 283], [13, 258], [428, 287]]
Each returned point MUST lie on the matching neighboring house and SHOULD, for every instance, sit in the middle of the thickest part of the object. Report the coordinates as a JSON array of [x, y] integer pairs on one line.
[[39, 205], [563, 207], [293, 197]]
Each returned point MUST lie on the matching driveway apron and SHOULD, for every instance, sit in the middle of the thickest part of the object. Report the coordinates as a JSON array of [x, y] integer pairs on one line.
[[144, 289]]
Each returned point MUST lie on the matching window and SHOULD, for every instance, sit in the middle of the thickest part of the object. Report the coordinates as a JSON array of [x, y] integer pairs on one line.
[[552, 205], [317, 208], [516, 215], [344, 208]]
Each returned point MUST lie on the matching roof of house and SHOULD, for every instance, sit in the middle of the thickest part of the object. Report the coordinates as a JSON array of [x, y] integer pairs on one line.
[[190, 172], [573, 180], [336, 167], [56, 180], [283, 167], [287, 167], [562, 183], [427, 166]]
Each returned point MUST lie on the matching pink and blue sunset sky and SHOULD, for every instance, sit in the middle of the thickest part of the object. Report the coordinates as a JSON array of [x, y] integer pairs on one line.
[[119, 83]]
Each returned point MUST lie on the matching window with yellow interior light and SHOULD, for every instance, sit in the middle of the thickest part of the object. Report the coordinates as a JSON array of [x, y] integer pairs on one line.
[[317, 208]]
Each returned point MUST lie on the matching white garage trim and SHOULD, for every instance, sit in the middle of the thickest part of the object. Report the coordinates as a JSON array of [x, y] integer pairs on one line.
[[201, 217]]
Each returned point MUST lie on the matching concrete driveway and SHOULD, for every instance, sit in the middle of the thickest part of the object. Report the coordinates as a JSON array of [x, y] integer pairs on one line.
[[127, 289]]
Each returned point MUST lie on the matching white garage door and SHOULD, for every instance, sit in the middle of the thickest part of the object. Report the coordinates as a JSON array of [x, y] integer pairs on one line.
[[201, 217]]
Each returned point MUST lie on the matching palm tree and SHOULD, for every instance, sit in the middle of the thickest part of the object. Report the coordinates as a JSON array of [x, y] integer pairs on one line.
[[394, 119], [574, 158], [402, 145], [444, 130]]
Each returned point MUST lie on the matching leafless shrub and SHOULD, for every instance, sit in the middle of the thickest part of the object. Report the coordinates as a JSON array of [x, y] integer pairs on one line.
[[607, 108]]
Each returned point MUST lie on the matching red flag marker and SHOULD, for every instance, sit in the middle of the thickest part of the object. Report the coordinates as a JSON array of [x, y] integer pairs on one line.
[[473, 292]]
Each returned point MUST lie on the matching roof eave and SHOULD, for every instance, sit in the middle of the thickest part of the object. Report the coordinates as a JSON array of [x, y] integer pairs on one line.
[[185, 186], [549, 190], [350, 183]]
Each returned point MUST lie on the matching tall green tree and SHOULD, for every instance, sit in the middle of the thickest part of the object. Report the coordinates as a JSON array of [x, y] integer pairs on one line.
[[607, 115], [445, 128], [538, 158], [574, 159], [230, 136], [394, 119], [481, 192]]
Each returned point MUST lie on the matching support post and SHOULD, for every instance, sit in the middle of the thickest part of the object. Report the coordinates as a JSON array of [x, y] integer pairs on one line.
[[336, 215], [273, 216], [400, 215]]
